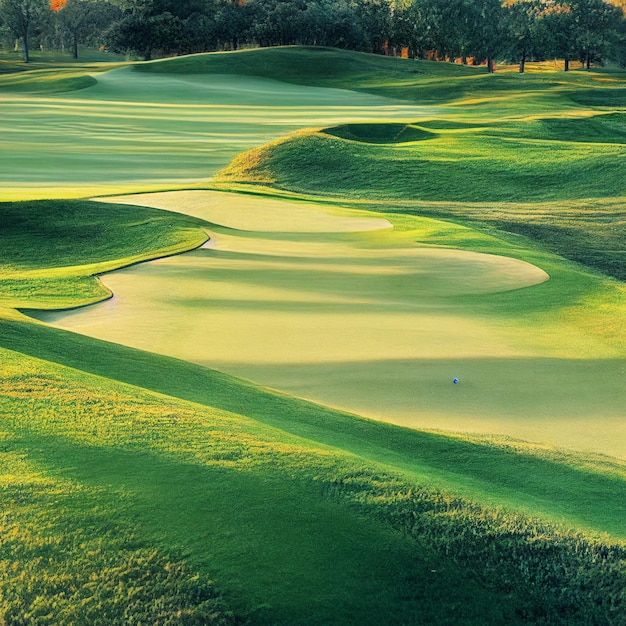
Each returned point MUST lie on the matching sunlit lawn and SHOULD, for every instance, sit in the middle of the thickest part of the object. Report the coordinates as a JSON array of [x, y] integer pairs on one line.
[[364, 267]]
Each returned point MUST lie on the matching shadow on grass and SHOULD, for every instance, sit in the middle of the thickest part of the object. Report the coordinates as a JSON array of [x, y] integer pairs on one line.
[[281, 551], [578, 496]]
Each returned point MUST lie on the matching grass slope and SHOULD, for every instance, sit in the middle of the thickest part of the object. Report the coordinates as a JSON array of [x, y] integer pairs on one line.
[[566, 193], [170, 475], [293, 532], [418, 81], [317, 489], [52, 249]]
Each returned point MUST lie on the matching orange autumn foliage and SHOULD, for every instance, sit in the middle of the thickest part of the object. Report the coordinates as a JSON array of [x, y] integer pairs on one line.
[[57, 5]]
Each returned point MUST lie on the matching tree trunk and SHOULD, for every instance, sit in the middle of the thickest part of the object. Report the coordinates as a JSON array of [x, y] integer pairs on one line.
[[522, 63], [588, 61], [26, 53], [75, 45], [567, 64], [490, 65]]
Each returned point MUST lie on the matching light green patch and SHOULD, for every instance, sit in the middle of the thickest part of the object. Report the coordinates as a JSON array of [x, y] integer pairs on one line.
[[370, 321]]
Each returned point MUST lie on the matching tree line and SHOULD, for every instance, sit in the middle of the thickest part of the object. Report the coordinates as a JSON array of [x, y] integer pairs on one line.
[[472, 31]]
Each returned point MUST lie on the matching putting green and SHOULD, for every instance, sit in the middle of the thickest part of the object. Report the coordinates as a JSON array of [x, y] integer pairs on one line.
[[323, 307]]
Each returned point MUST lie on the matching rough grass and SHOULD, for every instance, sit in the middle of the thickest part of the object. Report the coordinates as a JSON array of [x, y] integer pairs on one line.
[[355, 539]]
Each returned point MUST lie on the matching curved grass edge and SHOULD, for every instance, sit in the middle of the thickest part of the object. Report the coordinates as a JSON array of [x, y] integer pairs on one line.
[[405, 479], [68, 282]]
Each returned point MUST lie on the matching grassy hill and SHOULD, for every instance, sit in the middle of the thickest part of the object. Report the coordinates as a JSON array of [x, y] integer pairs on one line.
[[139, 488], [283, 501]]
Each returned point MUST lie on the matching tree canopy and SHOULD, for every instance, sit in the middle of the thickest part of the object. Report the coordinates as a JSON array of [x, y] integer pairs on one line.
[[474, 31]]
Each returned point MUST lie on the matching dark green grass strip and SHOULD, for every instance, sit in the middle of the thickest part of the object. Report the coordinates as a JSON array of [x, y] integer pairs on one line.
[[58, 233], [556, 490]]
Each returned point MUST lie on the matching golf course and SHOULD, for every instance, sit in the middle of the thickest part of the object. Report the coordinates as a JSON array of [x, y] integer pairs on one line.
[[300, 335]]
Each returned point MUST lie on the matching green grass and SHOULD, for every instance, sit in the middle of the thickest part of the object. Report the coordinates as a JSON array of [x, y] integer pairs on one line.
[[313, 486], [404, 79], [52, 250], [565, 192], [124, 131], [46, 81], [436, 168], [280, 521], [142, 488]]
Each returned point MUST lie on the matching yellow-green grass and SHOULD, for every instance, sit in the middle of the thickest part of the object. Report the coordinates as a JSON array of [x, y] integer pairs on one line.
[[340, 520], [376, 323], [304, 514]]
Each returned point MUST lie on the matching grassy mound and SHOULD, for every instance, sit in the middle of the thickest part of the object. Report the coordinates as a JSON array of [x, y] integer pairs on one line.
[[45, 81], [556, 180], [52, 249], [419, 81], [325, 67], [455, 167]]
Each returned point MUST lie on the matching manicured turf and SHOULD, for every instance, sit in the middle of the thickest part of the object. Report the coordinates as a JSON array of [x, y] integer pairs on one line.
[[52, 250], [374, 324], [134, 131], [242, 487], [142, 487]]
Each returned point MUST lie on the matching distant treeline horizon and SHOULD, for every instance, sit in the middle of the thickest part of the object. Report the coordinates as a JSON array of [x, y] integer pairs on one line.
[[470, 31]]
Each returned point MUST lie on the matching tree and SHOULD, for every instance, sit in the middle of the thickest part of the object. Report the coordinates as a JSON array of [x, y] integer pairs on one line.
[[84, 19], [556, 27], [412, 29], [489, 37], [232, 21], [22, 16], [522, 18], [374, 17], [597, 23]]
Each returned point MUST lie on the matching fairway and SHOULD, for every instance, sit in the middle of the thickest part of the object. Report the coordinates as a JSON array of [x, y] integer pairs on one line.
[[136, 130], [307, 336], [285, 295]]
